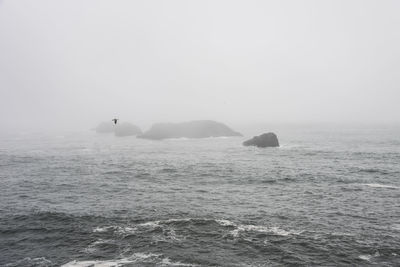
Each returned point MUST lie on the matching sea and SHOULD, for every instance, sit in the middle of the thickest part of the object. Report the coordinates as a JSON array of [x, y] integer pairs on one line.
[[328, 196]]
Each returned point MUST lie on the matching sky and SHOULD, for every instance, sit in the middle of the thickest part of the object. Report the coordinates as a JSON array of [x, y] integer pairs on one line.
[[73, 63]]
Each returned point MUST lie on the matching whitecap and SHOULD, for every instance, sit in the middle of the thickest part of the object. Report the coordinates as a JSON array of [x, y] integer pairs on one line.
[[42, 262], [157, 223], [169, 235], [116, 229], [289, 146], [178, 220], [235, 233], [254, 228], [168, 262], [140, 256], [126, 230], [223, 222], [281, 232], [151, 224], [92, 247], [368, 257], [382, 186], [102, 229], [396, 227], [151, 258], [136, 257], [365, 257], [263, 229], [110, 263]]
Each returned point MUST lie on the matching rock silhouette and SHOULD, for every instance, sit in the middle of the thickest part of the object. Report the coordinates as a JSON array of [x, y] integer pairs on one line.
[[192, 129], [264, 140]]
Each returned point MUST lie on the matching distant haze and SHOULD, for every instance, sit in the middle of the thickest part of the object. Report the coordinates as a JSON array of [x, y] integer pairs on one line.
[[71, 64]]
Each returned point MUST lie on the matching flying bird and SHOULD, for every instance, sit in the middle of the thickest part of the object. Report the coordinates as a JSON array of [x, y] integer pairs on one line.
[[115, 121]]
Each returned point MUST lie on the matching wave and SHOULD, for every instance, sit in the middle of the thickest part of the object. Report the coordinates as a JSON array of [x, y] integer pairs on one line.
[[256, 228], [133, 229], [268, 181], [366, 257], [226, 223], [169, 170], [375, 185], [223, 222], [161, 230], [263, 229], [93, 247], [369, 257], [42, 262], [118, 229], [374, 171], [289, 146], [395, 227], [358, 182], [169, 225], [138, 258]]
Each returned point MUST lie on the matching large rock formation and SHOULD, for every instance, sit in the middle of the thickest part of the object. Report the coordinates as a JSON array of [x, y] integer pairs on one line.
[[192, 129], [126, 129], [119, 129], [264, 140]]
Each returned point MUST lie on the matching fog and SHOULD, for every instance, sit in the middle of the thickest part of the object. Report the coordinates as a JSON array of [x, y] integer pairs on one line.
[[71, 64]]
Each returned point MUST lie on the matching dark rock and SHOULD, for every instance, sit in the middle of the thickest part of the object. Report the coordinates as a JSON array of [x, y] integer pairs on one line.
[[126, 129], [264, 140], [192, 129]]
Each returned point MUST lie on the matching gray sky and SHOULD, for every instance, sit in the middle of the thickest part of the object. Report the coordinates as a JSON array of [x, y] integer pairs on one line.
[[75, 63]]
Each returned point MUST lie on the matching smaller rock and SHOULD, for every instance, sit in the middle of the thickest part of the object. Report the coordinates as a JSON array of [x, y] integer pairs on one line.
[[264, 140]]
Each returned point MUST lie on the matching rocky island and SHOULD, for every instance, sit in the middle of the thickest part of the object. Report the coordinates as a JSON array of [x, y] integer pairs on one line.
[[192, 129], [264, 140]]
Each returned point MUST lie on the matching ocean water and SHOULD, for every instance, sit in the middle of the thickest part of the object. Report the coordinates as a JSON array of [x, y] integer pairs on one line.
[[326, 197]]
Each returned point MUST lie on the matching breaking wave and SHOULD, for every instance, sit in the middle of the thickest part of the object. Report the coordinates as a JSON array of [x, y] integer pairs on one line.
[[375, 185], [137, 258], [28, 262]]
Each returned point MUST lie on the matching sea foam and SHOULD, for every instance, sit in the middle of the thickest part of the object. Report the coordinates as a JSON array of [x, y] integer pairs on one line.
[[138, 258], [382, 186]]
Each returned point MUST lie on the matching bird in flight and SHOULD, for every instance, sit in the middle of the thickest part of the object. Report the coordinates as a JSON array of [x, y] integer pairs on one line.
[[115, 121]]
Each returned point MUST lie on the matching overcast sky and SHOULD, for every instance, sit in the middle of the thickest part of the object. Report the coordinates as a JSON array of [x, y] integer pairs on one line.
[[75, 63]]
